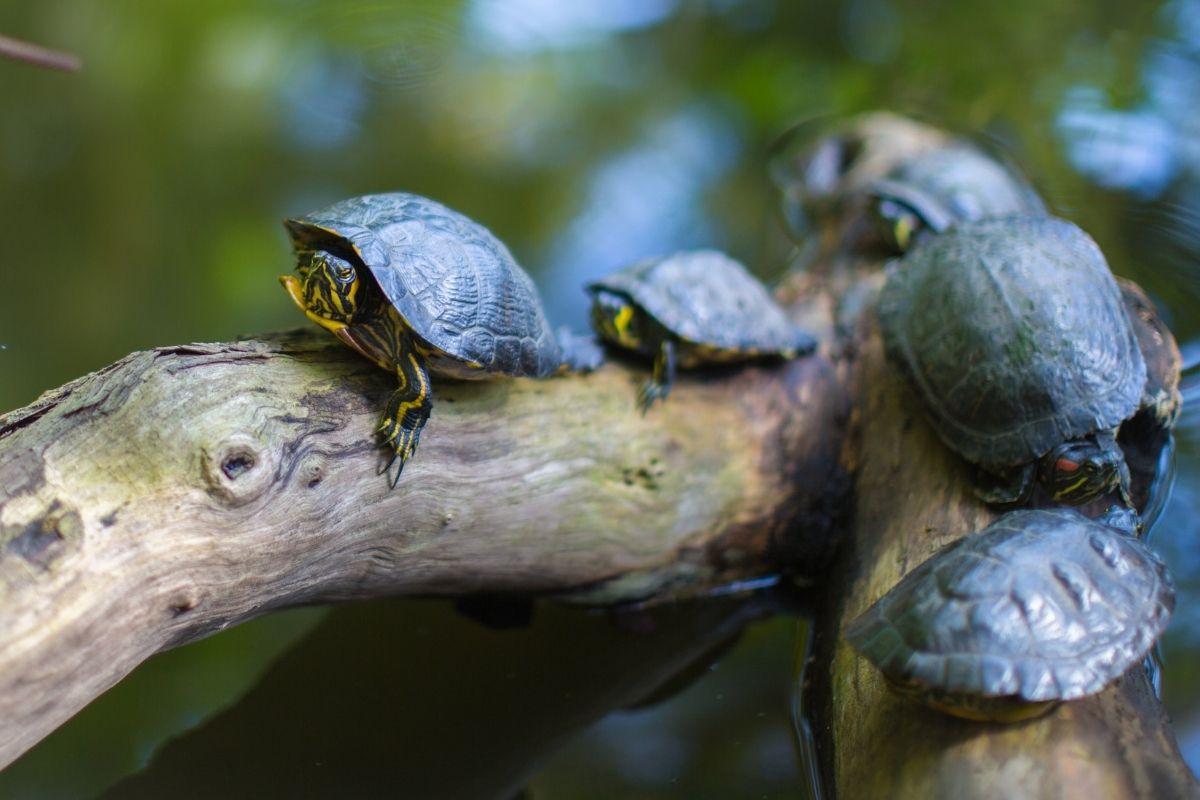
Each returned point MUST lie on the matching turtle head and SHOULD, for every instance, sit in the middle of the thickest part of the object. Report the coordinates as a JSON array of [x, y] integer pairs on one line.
[[615, 318], [1081, 469], [325, 288], [897, 223]]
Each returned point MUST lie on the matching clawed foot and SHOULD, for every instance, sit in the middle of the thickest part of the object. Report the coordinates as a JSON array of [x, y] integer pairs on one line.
[[1006, 488], [651, 392], [401, 431], [403, 442], [659, 384]]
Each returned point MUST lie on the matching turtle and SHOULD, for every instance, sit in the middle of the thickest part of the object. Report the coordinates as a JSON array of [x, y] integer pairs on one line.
[[1041, 606], [417, 287], [687, 309], [820, 163], [1147, 439], [1015, 335], [945, 186]]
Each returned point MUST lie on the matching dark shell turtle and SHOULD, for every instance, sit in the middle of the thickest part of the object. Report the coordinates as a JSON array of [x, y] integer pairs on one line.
[[946, 186], [1038, 607], [1017, 339], [1147, 439], [1161, 398], [819, 164], [691, 308], [412, 284]]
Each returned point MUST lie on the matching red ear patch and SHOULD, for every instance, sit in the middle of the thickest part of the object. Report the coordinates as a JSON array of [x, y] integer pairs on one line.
[[1065, 464]]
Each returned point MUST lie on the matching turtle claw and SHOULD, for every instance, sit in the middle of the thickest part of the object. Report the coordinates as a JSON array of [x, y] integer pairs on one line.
[[386, 469], [404, 441], [659, 385], [651, 392], [401, 431]]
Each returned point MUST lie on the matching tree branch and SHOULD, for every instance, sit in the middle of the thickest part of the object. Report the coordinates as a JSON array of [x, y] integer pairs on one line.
[[39, 56], [183, 490], [912, 496]]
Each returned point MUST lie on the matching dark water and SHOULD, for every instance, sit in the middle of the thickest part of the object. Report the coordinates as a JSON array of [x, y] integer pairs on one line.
[[141, 201]]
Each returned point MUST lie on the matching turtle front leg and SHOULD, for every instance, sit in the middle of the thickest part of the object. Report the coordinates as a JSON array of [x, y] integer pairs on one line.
[[1005, 488], [659, 385], [407, 410]]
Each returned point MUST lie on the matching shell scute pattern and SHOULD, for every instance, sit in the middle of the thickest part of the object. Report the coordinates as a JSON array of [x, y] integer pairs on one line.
[[705, 297], [1078, 604], [956, 184], [1016, 336], [456, 285]]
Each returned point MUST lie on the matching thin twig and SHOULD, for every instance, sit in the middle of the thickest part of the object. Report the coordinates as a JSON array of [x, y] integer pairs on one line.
[[40, 56]]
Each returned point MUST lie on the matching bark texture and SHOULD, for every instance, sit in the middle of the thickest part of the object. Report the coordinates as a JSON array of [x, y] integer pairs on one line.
[[186, 489]]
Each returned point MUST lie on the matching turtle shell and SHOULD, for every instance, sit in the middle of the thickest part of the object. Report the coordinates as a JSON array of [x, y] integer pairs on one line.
[[958, 183], [455, 284], [705, 297], [1016, 336], [1038, 606], [1147, 439], [1160, 397]]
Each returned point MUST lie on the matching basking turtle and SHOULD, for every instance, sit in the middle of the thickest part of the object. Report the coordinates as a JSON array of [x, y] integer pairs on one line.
[[946, 186], [820, 163], [691, 308], [1038, 607], [1147, 439], [417, 287], [1017, 339]]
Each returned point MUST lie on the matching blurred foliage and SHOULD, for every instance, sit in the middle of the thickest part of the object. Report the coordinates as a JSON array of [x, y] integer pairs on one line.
[[141, 197]]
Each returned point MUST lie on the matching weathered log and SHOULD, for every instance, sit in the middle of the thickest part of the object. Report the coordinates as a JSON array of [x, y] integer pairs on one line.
[[186, 489], [912, 496]]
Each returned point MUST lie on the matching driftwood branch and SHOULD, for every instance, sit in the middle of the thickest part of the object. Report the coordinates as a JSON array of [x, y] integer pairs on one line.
[[183, 490]]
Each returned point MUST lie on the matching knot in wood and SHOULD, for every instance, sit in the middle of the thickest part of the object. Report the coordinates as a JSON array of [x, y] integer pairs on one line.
[[239, 469]]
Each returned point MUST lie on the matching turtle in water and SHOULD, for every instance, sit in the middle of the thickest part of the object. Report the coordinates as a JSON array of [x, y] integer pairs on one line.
[[1016, 337], [1039, 607], [691, 308], [417, 287], [946, 186]]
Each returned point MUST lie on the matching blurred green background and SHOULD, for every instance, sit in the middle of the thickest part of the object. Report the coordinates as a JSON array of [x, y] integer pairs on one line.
[[141, 197]]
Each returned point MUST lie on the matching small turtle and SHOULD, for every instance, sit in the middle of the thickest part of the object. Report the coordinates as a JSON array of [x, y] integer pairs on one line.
[[417, 287], [1038, 607], [946, 186], [691, 308], [1017, 339], [819, 164]]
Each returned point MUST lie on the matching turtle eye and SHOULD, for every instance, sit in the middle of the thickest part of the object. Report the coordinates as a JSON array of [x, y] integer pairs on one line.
[[344, 273]]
